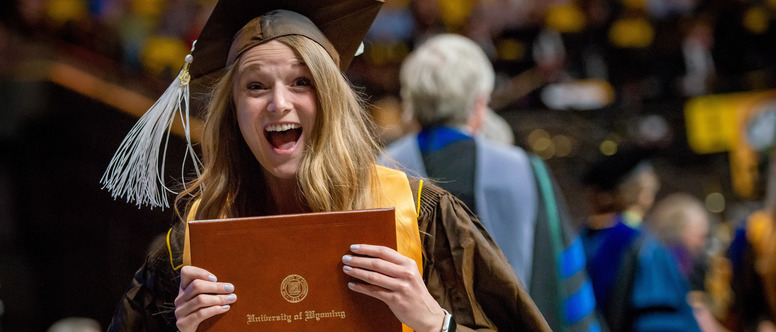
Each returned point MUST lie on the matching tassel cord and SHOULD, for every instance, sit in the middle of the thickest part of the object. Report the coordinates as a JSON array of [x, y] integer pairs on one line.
[[134, 170]]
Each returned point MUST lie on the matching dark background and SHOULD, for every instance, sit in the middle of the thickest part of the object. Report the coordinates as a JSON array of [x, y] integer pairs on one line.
[[66, 247]]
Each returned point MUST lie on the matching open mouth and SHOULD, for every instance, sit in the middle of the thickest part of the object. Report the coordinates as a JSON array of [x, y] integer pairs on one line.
[[283, 136]]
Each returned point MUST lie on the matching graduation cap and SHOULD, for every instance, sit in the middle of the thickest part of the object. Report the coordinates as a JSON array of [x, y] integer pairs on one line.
[[234, 27], [608, 172]]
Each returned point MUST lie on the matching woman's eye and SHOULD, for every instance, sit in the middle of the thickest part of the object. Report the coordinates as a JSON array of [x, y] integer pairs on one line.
[[255, 86], [303, 81]]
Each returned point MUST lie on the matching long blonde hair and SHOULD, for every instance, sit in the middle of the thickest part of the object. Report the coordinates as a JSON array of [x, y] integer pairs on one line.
[[336, 172]]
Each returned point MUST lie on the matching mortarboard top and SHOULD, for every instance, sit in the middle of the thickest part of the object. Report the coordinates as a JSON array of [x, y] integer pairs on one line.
[[608, 172], [344, 23]]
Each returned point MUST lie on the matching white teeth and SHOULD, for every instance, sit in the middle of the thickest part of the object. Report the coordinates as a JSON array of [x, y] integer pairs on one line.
[[281, 127]]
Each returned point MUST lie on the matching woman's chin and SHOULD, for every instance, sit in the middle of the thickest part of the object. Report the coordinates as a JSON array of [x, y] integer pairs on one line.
[[282, 172]]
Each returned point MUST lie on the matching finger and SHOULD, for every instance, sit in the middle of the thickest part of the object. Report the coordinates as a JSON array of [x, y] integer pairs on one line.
[[191, 322], [401, 271], [199, 286], [385, 253], [377, 292], [201, 302], [372, 277], [190, 273]]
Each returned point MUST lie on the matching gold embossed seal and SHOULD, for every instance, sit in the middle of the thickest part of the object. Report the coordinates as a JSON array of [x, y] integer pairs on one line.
[[293, 288]]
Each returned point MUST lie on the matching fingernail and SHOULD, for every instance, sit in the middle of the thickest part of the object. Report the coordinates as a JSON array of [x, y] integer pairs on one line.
[[225, 307], [229, 288], [347, 268], [212, 278], [351, 284], [231, 297], [355, 247], [347, 258]]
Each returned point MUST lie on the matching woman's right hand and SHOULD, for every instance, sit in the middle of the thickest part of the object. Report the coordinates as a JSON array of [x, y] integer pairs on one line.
[[200, 297]]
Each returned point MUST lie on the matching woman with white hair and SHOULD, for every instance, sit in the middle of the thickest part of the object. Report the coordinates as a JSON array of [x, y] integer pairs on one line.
[[446, 85]]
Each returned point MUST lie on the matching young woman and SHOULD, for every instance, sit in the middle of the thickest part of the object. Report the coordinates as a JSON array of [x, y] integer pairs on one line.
[[286, 133]]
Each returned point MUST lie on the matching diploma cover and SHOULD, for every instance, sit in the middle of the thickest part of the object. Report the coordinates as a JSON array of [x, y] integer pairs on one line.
[[287, 270]]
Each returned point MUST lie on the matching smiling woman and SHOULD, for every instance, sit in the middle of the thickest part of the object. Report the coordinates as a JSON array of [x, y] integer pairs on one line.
[[268, 89], [286, 133], [275, 101]]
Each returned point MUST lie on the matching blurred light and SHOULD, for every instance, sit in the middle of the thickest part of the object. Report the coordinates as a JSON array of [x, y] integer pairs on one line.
[[608, 147], [510, 50], [163, 55], [565, 17], [536, 135], [60, 12], [756, 20], [715, 202], [580, 95], [548, 152], [454, 13], [542, 144], [636, 32], [653, 128], [562, 145], [148, 8]]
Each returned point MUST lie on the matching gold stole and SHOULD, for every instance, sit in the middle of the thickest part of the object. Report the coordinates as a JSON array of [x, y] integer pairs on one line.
[[395, 192]]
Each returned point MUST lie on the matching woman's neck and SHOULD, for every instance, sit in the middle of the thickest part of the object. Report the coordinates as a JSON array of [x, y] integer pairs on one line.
[[286, 196]]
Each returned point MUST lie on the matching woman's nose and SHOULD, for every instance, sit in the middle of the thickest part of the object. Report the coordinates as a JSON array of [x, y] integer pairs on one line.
[[279, 102]]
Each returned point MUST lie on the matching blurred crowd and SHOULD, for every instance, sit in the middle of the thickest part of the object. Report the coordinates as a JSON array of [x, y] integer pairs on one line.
[[645, 49], [556, 54], [623, 51], [681, 253], [144, 37]]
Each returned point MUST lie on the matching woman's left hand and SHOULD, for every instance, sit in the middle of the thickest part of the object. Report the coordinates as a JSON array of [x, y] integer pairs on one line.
[[394, 279]]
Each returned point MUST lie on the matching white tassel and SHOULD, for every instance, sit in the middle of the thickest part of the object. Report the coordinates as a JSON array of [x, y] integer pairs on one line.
[[134, 171]]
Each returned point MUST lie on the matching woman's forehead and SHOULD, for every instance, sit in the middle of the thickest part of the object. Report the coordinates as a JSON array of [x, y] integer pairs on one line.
[[271, 54]]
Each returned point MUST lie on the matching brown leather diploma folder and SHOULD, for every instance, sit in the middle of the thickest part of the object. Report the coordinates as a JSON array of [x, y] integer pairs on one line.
[[287, 270]]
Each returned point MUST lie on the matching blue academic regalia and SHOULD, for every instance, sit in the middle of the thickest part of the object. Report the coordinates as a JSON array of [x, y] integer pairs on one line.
[[636, 281], [520, 210]]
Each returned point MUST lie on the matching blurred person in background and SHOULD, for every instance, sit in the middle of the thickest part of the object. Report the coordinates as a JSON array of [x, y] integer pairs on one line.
[[636, 281], [497, 129], [637, 191], [753, 258], [75, 324], [683, 224], [445, 86], [752, 254]]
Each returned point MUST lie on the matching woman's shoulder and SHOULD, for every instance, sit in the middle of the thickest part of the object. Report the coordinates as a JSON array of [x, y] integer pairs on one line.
[[430, 195], [439, 204], [425, 187]]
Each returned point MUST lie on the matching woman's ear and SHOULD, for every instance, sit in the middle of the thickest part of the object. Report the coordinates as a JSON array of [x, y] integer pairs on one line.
[[477, 117]]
